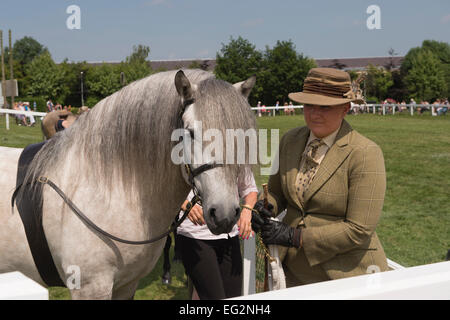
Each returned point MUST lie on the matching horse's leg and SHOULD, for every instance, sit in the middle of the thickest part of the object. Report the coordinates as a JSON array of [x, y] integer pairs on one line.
[[125, 292], [100, 288]]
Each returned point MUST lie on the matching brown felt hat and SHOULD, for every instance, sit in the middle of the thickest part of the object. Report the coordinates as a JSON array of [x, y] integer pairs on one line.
[[327, 87]]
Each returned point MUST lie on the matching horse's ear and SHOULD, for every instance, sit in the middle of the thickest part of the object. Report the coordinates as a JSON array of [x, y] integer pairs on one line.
[[183, 86], [245, 87]]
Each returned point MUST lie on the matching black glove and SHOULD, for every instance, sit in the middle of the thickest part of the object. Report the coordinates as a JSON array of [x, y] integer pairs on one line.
[[263, 213], [274, 232]]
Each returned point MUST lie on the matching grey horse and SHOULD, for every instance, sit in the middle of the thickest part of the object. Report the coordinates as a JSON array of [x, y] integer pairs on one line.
[[116, 166]]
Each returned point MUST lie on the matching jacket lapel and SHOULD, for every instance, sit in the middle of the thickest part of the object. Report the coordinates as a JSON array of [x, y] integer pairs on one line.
[[293, 157], [338, 152]]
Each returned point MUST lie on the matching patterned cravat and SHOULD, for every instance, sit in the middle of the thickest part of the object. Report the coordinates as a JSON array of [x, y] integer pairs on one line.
[[309, 168]]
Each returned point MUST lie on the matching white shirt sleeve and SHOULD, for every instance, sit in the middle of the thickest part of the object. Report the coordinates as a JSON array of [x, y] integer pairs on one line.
[[246, 182]]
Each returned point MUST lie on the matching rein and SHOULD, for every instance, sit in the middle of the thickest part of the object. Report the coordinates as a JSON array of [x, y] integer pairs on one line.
[[92, 225], [196, 199]]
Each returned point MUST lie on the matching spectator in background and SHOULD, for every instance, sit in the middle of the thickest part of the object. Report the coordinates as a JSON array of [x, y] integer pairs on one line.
[[442, 108], [435, 108], [20, 117], [50, 106], [259, 110], [26, 106], [403, 106], [263, 109], [291, 109], [286, 108], [424, 107]]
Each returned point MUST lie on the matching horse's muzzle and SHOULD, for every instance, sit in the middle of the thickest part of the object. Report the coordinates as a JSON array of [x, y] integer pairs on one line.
[[220, 222]]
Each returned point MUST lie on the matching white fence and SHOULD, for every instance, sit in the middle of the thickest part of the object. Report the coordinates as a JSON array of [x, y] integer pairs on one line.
[[249, 267], [26, 113], [261, 110], [395, 108], [430, 281], [369, 108], [15, 286]]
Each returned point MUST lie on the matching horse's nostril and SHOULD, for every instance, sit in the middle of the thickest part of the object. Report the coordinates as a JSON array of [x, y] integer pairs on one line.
[[238, 211], [212, 212]]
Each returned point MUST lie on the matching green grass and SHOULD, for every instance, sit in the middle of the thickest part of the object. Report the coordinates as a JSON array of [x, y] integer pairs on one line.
[[19, 136], [415, 225]]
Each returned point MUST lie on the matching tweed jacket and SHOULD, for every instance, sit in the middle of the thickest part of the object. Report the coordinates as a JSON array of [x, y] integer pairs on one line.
[[341, 207]]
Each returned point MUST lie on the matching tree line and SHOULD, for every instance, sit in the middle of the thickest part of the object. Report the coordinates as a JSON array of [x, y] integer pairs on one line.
[[40, 78], [424, 73]]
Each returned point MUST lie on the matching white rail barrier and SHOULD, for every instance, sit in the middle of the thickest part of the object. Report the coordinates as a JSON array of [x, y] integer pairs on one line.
[[430, 281], [16, 286], [274, 109], [370, 108], [396, 107], [25, 113]]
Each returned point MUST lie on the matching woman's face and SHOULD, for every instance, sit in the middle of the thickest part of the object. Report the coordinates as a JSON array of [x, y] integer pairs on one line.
[[324, 120]]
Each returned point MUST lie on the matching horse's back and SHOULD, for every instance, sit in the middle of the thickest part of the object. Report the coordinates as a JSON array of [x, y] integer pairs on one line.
[[14, 251], [9, 158]]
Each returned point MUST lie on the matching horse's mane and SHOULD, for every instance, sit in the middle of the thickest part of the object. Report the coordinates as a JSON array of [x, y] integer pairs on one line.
[[127, 135]]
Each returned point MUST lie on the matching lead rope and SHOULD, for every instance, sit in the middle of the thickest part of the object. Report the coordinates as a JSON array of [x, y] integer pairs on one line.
[[261, 243]]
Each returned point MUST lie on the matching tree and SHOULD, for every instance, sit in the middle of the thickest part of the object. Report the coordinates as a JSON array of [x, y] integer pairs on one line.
[[102, 81], [377, 83], [284, 71], [136, 66], [45, 78], [139, 55], [441, 50], [237, 61], [72, 81], [426, 78], [26, 49], [392, 54]]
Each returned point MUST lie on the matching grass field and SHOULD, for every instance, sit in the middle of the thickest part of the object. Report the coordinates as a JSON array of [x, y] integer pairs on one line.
[[415, 225]]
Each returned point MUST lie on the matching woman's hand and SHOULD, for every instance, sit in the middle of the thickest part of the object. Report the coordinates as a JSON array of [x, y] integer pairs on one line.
[[196, 215], [245, 224]]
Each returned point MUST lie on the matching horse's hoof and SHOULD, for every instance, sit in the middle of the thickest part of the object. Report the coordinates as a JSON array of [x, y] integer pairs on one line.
[[166, 278]]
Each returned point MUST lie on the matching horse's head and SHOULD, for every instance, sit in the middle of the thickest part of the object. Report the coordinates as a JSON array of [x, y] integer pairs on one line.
[[209, 110]]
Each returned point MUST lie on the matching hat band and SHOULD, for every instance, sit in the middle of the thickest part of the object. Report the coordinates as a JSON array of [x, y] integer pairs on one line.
[[335, 90]]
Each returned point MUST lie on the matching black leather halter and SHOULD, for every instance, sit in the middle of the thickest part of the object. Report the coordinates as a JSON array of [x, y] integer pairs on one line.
[[192, 173]]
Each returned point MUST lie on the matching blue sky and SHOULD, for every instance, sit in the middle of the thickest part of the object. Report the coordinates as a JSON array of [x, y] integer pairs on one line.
[[184, 29]]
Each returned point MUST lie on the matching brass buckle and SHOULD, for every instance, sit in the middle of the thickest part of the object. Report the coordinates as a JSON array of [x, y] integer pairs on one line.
[[42, 179]]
